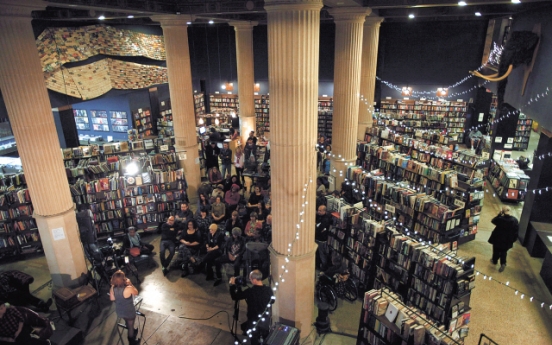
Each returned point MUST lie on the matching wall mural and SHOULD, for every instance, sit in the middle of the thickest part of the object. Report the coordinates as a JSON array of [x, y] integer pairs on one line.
[[58, 46]]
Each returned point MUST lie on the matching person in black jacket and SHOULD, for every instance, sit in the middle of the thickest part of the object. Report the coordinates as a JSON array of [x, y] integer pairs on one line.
[[323, 222], [169, 232], [211, 155], [503, 237], [214, 245], [257, 297]]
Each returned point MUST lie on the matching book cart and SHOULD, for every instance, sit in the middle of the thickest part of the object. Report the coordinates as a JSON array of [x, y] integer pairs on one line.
[[509, 182]]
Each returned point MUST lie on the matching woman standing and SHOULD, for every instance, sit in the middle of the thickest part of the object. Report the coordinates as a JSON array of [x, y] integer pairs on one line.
[[121, 293], [239, 162]]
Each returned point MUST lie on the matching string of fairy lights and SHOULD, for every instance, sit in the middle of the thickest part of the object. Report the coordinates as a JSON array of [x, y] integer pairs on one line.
[[284, 268]]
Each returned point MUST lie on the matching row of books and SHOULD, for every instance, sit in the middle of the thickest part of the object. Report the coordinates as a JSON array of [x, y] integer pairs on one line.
[[14, 213], [14, 197], [21, 225]]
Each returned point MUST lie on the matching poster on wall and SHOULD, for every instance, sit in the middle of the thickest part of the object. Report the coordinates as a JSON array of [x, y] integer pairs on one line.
[[99, 120], [119, 121], [81, 119]]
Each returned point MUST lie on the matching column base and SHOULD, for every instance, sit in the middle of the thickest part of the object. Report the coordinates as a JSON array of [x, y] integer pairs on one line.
[[295, 295], [62, 246], [340, 172]]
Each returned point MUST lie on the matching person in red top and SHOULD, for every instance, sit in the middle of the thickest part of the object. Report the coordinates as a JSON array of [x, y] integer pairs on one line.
[[232, 197], [253, 228]]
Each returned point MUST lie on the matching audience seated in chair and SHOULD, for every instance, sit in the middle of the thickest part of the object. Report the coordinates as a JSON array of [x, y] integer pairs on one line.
[[215, 247], [14, 289], [218, 191], [215, 176], [235, 247], [234, 222], [203, 221], [232, 197], [133, 240], [254, 199], [18, 323], [190, 245], [218, 210], [203, 202], [253, 228]]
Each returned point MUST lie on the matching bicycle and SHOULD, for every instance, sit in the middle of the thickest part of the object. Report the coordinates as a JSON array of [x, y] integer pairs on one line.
[[328, 289]]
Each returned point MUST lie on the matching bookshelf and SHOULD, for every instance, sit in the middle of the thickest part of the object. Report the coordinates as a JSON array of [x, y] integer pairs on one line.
[[262, 110], [393, 172], [165, 121], [385, 319], [523, 134], [509, 182], [325, 115], [437, 114], [18, 229], [143, 122], [199, 104], [224, 104]]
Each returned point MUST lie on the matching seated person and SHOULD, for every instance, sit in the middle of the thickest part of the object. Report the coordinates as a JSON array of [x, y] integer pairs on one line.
[[205, 189], [215, 176], [264, 211], [203, 221], [16, 328], [253, 228], [234, 222], [254, 200], [203, 202], [14, 289], [235, 247], [218, 210], [232, 197], [132, 239], [218, 191], [232, 180], [184, 215], [214, 247], [190, 244], [267, 230]]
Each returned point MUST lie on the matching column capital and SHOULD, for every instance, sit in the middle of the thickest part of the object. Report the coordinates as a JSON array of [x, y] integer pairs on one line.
[[241, 25], [172, 19], [292, 5], [350, 14], [21, 9], [373, 21]]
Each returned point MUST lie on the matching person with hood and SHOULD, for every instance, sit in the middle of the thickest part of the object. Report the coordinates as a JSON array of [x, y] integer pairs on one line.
[[503, 236]]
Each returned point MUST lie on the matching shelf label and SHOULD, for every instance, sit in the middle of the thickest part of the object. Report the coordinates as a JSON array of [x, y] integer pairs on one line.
[[58, 234], [510, 140], [498, 139], [481, 115], [389, 208], [164, 148], [460, 203]]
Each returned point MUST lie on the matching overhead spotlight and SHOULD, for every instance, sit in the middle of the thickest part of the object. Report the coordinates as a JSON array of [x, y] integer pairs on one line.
[[130, 16], [478, 14], [516, 1], [411, 16], [462, 3], [102, 17], [211, 22]]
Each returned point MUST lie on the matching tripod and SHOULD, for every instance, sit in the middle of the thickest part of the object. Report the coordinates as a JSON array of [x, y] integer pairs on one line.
[[234, 327]]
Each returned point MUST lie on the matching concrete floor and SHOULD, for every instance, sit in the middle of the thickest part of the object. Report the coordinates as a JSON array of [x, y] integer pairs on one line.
[[191, 311]]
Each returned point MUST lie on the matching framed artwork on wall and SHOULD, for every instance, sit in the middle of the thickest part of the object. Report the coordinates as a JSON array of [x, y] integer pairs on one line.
[[119, 121], [99, 120], [81, 119]]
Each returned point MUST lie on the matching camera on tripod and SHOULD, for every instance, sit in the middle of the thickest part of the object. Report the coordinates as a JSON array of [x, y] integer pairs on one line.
[[240, 281], [109, 249]]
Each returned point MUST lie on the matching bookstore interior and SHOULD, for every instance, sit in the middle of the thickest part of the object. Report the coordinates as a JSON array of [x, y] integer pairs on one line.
[[414, 196]]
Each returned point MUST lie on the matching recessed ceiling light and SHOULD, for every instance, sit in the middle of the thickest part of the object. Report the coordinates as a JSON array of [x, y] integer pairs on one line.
[[211, 22], [130, 16], [102, 17], [411, 15], [478, 14], [462, 3], [516, 1]]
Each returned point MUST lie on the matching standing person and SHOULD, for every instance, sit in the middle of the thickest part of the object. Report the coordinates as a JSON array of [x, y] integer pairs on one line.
[[252, 137], [323, 222], [321, 146], [211, 155], [250, 153], [121, 293], [169, 233], [239, 163], [226, 160], [257, 297], [503, 237]]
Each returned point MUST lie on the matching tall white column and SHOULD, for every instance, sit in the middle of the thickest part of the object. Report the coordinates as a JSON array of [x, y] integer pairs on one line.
[[32, 122], [348, 52], [175, 33], [370, 41], [246, 76], [293, 51]]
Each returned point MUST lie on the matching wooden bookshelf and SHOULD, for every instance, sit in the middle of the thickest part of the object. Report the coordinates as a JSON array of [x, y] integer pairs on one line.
[[165, 125], [523, 134], [224, 104], [143, 122], [18, 229], [262, 111], [199, 104], [325, 115], [509, 182]]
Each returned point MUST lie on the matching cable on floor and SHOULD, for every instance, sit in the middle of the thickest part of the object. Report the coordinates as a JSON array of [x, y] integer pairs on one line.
[[210, 317]]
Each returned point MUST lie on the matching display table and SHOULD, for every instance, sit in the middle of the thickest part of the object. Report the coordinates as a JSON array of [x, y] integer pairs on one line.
[[534, 238], [546, 270]]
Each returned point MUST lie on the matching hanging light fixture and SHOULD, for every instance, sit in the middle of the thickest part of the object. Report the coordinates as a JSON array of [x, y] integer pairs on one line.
[[200, 121], [406, 91], [442, 92]]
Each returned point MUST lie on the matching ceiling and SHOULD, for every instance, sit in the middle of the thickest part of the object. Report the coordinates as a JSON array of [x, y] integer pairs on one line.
[[118, 11]]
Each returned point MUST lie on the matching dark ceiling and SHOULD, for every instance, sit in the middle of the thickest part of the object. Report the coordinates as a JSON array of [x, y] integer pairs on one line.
[[117, 11]]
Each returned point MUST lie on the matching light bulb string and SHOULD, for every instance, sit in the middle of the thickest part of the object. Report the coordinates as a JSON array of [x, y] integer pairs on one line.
[[281, 279]]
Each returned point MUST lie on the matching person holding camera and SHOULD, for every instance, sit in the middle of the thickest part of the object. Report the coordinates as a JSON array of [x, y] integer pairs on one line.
[[122, 292], [257, 297], [503, 236]]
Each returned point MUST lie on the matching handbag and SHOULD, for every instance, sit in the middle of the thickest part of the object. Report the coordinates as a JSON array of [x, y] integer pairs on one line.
[[242, 210], [134, 251]]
